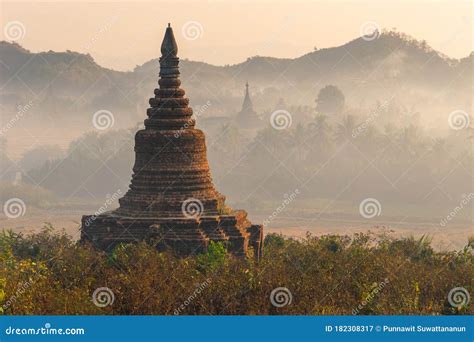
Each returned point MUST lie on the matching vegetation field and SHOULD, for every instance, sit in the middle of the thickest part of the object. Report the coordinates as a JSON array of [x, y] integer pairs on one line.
[[367, 274]]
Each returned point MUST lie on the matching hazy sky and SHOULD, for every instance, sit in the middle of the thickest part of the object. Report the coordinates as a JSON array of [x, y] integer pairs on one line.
[[123, 34]]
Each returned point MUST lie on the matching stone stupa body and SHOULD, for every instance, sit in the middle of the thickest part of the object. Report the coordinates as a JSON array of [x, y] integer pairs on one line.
[[171, 199]]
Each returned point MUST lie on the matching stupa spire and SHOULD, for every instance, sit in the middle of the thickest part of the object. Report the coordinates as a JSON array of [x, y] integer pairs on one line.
[[247, 117], [247, 104], [169, 108]]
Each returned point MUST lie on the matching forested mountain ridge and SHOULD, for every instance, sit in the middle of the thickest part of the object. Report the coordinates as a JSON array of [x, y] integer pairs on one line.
[[394, 61]]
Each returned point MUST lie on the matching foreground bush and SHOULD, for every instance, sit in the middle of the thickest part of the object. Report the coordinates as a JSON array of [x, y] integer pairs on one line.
[[47, 273]]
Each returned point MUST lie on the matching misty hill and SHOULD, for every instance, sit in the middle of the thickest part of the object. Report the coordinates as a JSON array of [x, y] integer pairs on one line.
[[394, 61], [409, 161], [364, 70]]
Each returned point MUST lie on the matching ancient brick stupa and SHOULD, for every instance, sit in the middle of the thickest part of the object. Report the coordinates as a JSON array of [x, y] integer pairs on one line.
[[172, 200]]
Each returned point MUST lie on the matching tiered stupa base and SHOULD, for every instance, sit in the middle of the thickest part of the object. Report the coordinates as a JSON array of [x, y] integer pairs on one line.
[[183, 236]]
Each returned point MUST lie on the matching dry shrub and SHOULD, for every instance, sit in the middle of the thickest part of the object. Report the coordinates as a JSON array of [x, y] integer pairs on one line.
[[47, 273]]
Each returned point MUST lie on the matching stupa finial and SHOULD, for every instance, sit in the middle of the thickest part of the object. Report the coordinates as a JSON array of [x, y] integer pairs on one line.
[[169, 46]]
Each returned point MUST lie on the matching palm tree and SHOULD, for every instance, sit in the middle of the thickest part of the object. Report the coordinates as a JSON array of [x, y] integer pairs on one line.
[[298, 137], [345, 129], [230, 143], [370, 141], [409, 140], [320, 133], [389, 139], [439, 158]]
